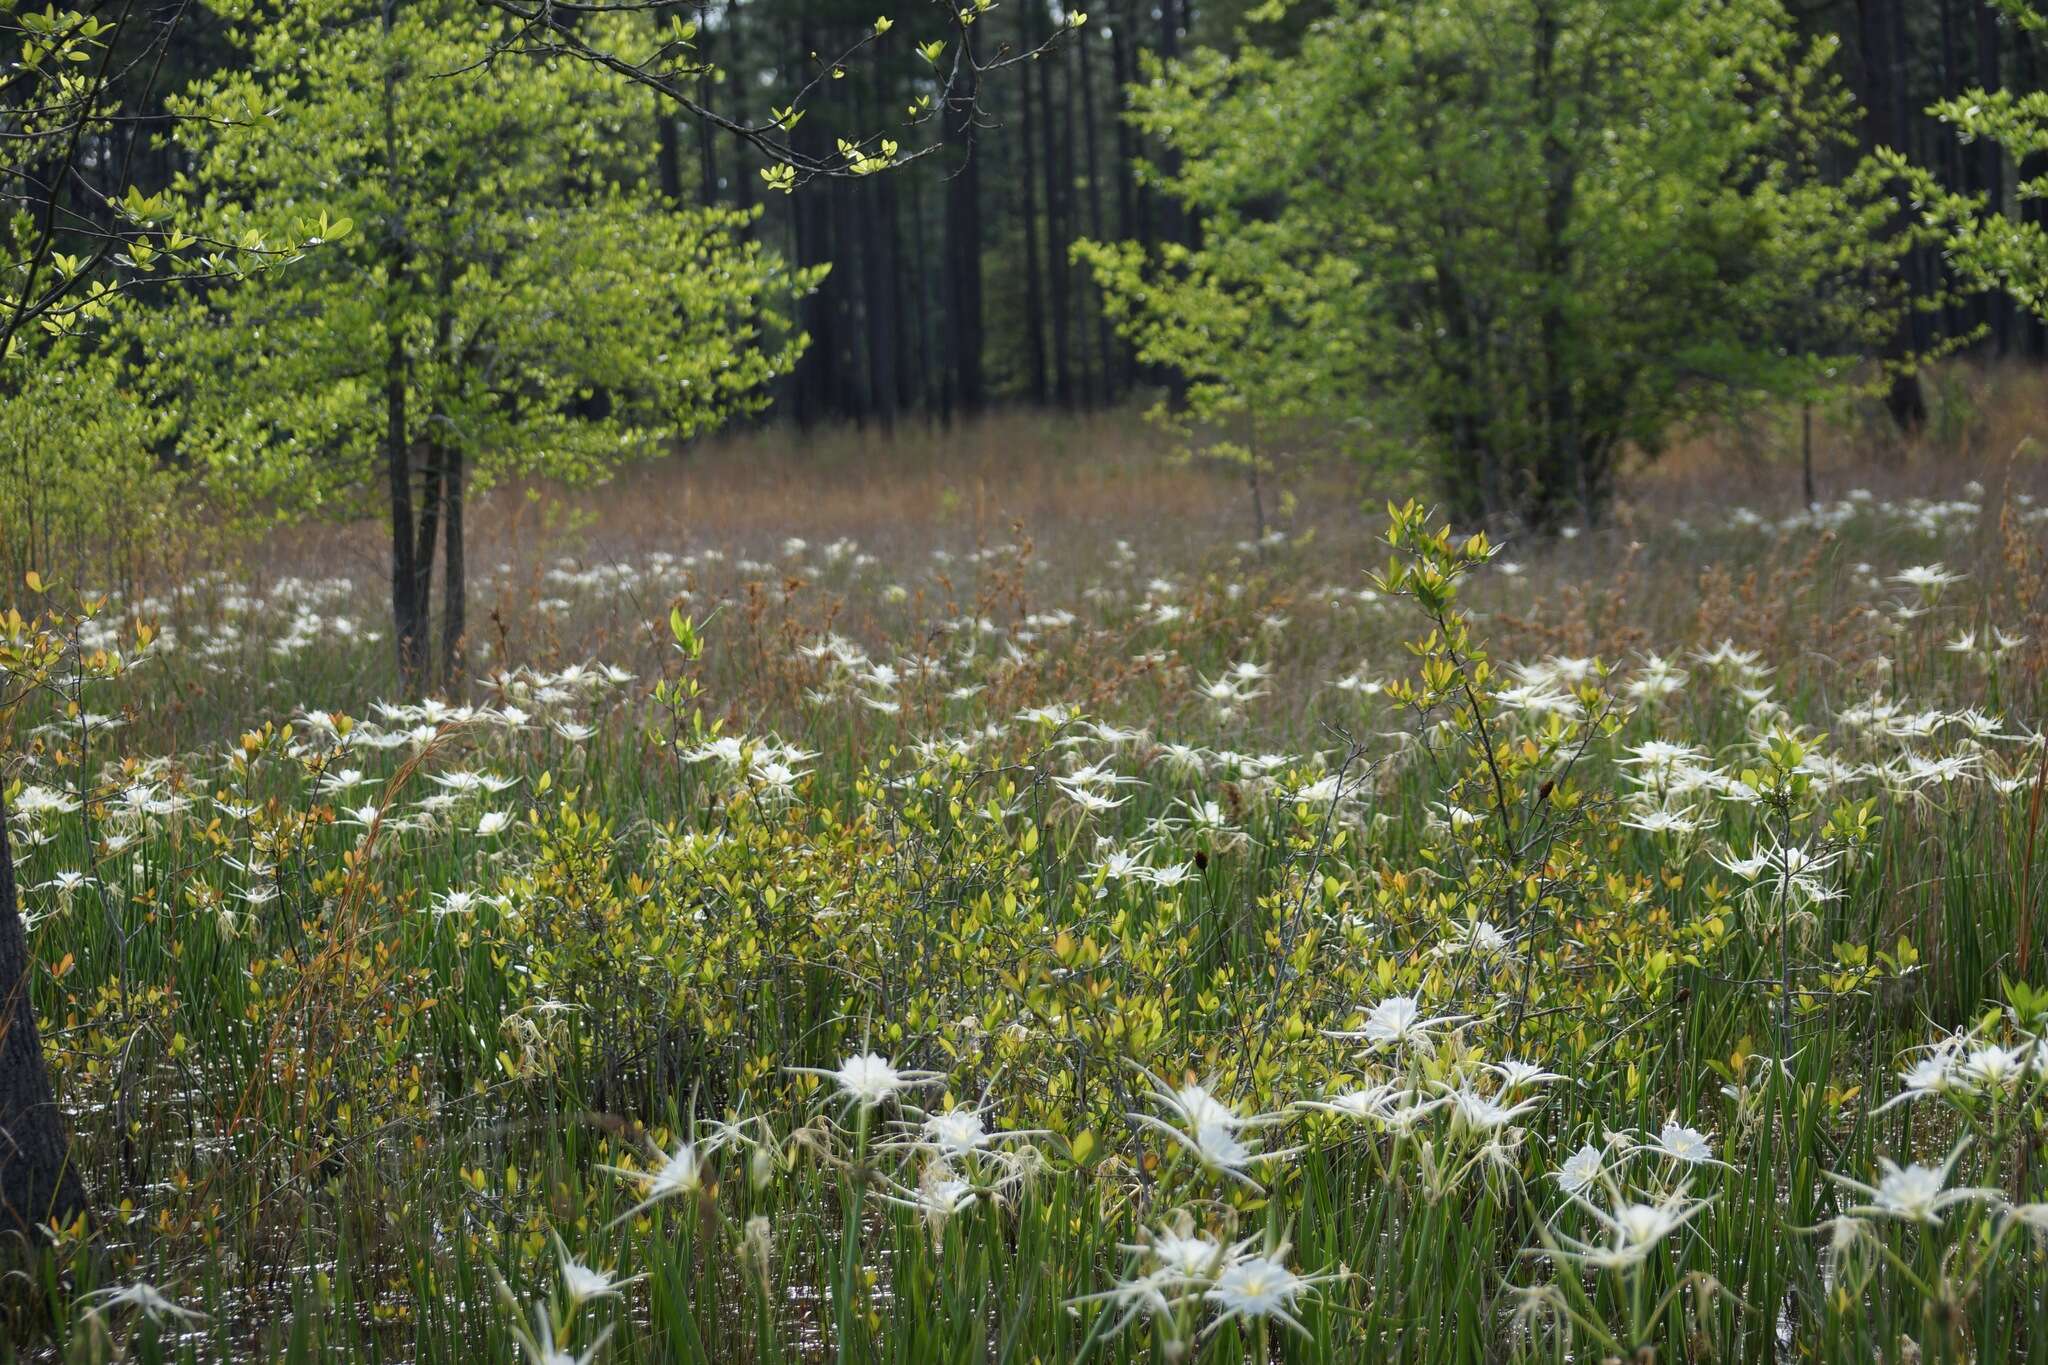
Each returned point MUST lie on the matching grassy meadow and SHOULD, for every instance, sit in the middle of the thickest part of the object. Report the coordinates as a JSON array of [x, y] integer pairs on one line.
[[972, 898]]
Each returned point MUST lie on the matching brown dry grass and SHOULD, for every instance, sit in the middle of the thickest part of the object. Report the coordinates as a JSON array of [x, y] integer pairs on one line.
[[1074, 486], [1074, 481], [1089, 480], [1065, 490], [1983, 421]]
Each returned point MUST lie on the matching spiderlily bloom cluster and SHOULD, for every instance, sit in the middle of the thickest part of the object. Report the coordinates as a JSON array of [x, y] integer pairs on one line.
[[1130, 972]]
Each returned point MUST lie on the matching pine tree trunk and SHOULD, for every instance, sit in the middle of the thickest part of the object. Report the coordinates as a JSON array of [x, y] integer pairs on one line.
[[736, 100], [1130, 217], [853, 394], [1923, 265], [37, 1181], [874, 203], [813, 384], [1056, 175], [906, 294], [1561, 478], [1990, 159], [1956, 314], [1034, 291], [1884, 104], [1171, 218], [928, 386], [707, 143], [963, 260], [2026, 63], [668, 155], [1133, 211], [879, 302], [1104, 388]]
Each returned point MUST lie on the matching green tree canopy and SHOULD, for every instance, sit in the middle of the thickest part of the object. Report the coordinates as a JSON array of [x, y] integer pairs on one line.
[[1987, 246], [1517, 237], [509, 296]]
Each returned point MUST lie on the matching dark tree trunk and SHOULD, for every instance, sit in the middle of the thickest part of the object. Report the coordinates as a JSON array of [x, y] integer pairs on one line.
[[1170, 217], [407, 627], [427, 539], [736, 98], [1562, 480], [1133, 201], [1956, 314], [2027, 75], [880, 288], [1923, 267], [707, 147], [920, 282], [1951, 84], [37, 1181], [1884, 103], [668, 156], [851, 242], [1106, 377], [1806, 456], [454, 574], [1122, 71], [1990, 159], [1474, 475], [874, 220], [1906, 401], [906, 293], [811, 215], [1034, 292], [1056, 176], [963, 261]]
